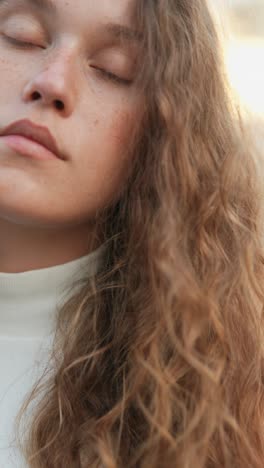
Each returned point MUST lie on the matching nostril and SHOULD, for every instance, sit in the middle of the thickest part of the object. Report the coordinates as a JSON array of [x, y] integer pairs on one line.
[[59, 104], [35, 95]]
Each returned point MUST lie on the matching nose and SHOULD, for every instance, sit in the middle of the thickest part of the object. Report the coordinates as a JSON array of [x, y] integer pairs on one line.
[[53, 85]]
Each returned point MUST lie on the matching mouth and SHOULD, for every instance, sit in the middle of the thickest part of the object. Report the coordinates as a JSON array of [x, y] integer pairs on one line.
[[32, 140]]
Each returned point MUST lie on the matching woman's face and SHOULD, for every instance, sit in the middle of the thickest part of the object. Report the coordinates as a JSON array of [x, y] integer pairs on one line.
[[62, 51]]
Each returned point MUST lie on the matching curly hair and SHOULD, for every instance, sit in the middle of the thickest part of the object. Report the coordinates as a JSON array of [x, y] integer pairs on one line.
[[158, 359]]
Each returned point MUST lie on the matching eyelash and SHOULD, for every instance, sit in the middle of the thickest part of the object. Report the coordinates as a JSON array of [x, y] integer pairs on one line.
[[114, 78], [106, 74]]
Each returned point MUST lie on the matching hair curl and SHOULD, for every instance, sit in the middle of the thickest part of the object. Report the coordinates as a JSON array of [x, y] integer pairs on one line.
[[158, 359]]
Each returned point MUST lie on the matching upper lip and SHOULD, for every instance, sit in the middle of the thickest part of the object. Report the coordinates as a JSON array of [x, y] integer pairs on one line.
[[34, 132]]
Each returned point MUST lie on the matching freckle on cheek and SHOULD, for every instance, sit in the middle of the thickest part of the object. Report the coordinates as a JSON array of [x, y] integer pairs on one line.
[[96, 122]]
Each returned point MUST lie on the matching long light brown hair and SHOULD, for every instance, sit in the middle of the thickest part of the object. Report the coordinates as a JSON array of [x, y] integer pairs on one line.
[[158, 358]]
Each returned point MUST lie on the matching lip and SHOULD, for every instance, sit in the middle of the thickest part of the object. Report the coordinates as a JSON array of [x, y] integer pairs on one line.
[[31, 139]]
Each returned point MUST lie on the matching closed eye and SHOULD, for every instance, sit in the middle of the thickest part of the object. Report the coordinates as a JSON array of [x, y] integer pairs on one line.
[[112, 77], [109, 76], [22, 44]]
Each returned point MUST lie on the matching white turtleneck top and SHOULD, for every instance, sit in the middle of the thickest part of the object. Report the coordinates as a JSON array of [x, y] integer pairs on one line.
[[28, 302]]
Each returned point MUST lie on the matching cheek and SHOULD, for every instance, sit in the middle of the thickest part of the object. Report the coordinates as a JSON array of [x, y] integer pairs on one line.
[[106, 141], [108, 160], [10, 68], [120, 129], [11, 79], [7, 73]]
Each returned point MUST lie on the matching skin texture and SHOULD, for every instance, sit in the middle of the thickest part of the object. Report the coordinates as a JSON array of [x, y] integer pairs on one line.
[[47, 207]]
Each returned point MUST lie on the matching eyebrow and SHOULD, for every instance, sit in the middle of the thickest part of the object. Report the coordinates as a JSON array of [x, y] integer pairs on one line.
[[44, 5], [114, 30], [123, 32]]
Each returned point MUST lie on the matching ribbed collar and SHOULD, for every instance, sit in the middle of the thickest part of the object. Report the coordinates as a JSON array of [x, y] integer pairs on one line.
[[28, 299]]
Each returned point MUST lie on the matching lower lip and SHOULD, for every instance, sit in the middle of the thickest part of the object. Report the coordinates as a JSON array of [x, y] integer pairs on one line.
[[27, 147]]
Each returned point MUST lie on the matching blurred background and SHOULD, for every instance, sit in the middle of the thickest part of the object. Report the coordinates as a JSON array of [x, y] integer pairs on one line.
[[242, 25]]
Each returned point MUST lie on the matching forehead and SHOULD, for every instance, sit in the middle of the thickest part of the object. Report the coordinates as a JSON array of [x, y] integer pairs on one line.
[[116, 9], [116, 17]]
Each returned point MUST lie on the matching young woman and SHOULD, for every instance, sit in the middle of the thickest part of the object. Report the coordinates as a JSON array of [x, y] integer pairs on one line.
[[138, 190]]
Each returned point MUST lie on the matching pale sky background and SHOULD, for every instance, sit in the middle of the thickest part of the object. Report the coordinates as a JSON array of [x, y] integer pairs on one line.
[[243, 26]]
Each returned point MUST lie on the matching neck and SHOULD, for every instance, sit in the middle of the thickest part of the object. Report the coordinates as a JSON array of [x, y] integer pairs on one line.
[[24, 248]]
